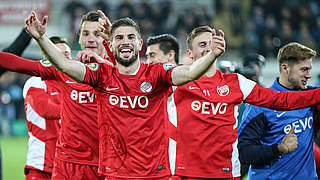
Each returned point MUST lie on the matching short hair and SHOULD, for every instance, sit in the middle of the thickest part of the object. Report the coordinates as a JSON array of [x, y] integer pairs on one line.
[[58, 39], [91, 16], [253, 58], [166, 43], [124, 22], [195, 32], [293, 52]]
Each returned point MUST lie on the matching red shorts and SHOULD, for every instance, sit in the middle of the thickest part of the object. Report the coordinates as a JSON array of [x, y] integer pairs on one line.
[[191, 178], [116, 178], [32, 174], [74, 171]]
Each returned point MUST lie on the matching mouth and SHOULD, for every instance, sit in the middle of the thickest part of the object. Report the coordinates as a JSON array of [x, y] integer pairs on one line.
[[304, 82], [91, 48], [126, 52]]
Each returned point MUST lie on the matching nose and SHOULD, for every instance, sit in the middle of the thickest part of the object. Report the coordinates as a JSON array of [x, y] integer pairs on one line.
[[308, 75], [149, 61], [207, 48], [91, 38]]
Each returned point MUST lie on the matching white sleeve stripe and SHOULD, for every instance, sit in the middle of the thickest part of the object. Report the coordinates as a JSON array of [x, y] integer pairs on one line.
[[36, 152], [33, 117], [33, 82], [172, 155], [246, 85], [172, 109]]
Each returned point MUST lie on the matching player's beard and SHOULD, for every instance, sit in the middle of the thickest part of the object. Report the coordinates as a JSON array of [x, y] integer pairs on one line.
[[128, 62]]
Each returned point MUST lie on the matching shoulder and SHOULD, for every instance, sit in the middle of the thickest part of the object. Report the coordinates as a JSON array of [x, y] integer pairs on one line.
[[45, 63], [161, 66], [252, 110], [36, 82]]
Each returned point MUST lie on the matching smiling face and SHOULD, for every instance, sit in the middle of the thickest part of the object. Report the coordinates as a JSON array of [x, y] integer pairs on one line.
[[299, 74], [89, 38], [200, 46], [126, 45]]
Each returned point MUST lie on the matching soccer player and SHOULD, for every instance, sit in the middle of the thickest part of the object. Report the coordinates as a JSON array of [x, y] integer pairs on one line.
[[77, 149], [165, 48], [206, 111], [162, 48], [42, 107], [262, 132], [130, 96]]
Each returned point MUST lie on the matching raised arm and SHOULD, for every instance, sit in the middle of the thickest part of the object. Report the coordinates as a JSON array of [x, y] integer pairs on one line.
[[186, 73], [76, 70]]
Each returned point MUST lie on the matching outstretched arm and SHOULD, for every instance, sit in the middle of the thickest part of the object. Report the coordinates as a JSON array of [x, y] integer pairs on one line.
[[76, 70], [18, 64], [186, 73]]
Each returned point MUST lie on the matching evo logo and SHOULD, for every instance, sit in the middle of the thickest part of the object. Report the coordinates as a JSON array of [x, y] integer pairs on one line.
[[300, 125], [82, 97], [127, 101], [209, 107]]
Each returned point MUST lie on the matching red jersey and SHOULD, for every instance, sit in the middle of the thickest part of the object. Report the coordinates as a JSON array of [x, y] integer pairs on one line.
[[78, 141], [42, 99], [207, 127], [133, 142]]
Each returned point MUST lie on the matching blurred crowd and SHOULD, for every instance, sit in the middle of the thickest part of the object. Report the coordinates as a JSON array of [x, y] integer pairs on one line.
[[273, 23]]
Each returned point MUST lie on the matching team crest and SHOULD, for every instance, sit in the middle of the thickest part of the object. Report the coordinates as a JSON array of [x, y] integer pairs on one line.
[[45, 63], [167, 66], [93, 66], [223, 90], [146, 87]]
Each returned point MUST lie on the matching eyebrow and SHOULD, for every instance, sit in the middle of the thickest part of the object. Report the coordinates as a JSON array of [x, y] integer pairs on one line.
[[89, 31]]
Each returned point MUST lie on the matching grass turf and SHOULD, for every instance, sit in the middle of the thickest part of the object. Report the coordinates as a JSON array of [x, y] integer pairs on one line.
[[13, 151]]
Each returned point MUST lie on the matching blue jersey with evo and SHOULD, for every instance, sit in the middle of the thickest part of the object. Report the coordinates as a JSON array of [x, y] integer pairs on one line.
[[260, 132]]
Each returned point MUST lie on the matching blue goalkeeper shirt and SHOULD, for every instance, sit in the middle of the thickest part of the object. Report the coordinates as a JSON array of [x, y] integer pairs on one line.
[[260, 132]]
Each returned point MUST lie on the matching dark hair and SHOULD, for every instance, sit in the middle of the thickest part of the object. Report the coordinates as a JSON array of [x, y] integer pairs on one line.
[[293, 52], [166, 43], [124, 22], [252, 59], [91, 16], [195, 32], [58, 39]]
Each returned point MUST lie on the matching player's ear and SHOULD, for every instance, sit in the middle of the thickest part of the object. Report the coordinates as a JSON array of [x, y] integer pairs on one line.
[[189, 53], [140, 44], [284, 67]]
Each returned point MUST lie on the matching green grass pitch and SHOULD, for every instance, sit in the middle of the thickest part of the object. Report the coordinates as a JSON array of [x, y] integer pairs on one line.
[[14, 152]]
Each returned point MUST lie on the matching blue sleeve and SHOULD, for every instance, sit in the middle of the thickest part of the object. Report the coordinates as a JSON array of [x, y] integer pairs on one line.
[[251, 150]]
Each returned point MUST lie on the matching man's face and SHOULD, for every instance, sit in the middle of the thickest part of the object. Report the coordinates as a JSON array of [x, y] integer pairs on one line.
[[89, 38], [126, 45], [65, 49], [200, 46], [155, 54], [299, 74]]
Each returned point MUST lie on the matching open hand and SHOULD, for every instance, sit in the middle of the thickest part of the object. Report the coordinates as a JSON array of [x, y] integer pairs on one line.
[[34, 27], [105, 26]]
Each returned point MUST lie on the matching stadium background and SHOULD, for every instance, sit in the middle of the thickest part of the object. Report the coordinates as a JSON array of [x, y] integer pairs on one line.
[[259, 26]]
